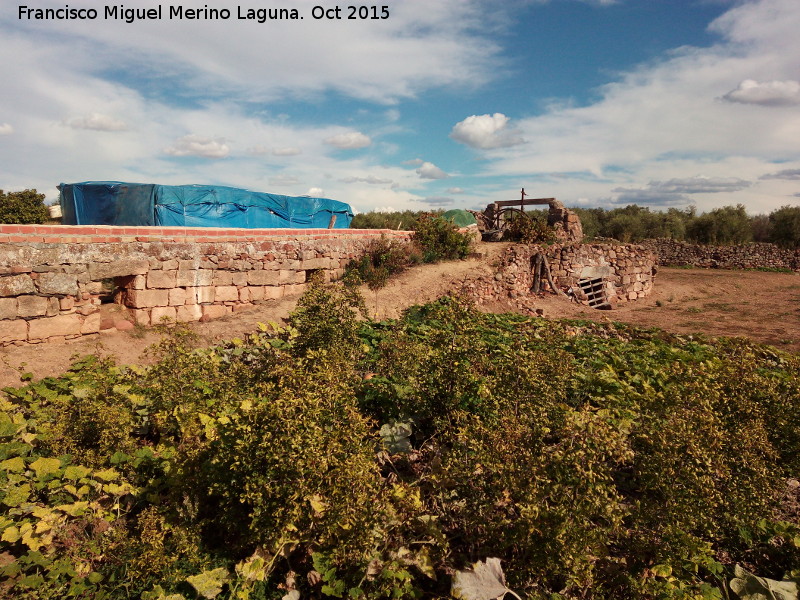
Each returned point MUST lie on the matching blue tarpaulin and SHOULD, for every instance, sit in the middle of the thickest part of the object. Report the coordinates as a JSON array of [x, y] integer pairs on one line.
[[134, 204]]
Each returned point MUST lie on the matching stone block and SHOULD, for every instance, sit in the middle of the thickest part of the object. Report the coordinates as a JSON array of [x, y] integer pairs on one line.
[[59, 284], [263, 277], [239, 279], [16, 285], [188, 313], [294, 290], [214, 311], [141, 315], [40, 329], [147, 298], [91, 324], [118, 268], [32, 306], [273, 292], [256, 292], [160, 314], [226, 293], [244, 294], [170, 265], [194, 278], [317, 263], [8, 308], [188, 265], [290, 277], [13, 331], [205, 295], [177, 296], [66, 303], [222, 278], [162, 279], [139, 283]]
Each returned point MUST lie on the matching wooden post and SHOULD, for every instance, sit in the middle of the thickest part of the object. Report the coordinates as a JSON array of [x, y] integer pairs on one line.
[[333, 222]]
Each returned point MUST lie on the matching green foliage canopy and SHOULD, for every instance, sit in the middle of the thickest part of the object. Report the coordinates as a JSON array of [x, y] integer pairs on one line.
[[23, 207]]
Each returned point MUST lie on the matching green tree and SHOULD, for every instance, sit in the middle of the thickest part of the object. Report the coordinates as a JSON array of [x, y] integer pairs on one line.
[[726, 225], [23, 207], [785, 226]]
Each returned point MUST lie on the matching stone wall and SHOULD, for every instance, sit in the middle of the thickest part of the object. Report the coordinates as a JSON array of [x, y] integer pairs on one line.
[[744, 256], [628, 271], [53, 279]]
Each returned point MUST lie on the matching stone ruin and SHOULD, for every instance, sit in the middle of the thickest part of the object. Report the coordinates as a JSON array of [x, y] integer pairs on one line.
[[565, 223]]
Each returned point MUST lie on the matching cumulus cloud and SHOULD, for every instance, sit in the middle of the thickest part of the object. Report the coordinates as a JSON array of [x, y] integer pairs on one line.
[[6, 129], [428, 170], [315, 192], [350, 140], [766, 93], [437, 200], [486, 132], [791, 174], [197, 145], [97, 122], [371, 179], [413, 162], [288, 151], [455, 190]]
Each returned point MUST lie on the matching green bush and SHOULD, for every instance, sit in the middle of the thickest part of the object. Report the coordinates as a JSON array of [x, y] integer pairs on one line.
[[23, 207], [439, 239], [340, 457]]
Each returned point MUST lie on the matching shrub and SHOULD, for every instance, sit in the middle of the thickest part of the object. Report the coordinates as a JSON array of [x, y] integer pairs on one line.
[[439, 239], [529, 228], [23, 207], [382, 259]]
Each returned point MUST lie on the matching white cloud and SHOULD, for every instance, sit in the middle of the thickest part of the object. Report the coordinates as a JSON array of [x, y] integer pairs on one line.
[[97, 122], [288, 151], [486, 132], [455, 190], [437, 200], [315, 192], [430, 171], [283, 180], [257, 150], [413, 162], [350, 140], [6, 129], [371, 179], [197, 145], [767, 93]]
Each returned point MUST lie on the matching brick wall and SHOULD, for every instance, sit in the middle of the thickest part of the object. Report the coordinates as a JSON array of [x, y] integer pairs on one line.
[[53, 277]]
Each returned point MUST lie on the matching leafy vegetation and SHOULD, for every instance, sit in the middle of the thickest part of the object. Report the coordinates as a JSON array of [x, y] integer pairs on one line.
[[435, 239], [341, 457], [23, 207]]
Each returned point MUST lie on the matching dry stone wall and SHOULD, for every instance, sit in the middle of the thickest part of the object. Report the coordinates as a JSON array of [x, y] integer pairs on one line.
[[53, 279], [627, 270], [744, 256]]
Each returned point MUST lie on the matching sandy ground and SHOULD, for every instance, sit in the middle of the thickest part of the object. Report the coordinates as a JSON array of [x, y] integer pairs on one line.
[[761, 306]]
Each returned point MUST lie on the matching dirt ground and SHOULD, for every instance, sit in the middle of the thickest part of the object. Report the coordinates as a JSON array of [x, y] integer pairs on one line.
[[761, 306]]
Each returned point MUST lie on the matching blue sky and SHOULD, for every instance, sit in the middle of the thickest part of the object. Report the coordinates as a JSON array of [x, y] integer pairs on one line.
[[445, 104]]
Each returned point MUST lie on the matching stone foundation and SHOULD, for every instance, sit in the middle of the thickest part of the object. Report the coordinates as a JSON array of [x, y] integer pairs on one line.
[[53, 279], [627, 270]]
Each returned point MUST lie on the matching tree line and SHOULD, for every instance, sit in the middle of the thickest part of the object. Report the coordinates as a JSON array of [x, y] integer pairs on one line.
[[632, 223]]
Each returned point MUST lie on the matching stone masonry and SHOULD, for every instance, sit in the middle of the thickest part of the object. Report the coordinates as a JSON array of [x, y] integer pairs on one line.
[[53, 278], [743, 256], [628, 271]]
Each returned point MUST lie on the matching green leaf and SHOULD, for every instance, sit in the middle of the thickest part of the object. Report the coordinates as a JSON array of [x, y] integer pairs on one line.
[[107, 474], [76, 472], [750, 587], [209, 583], [45, 466], [15, 465], [17, 495]]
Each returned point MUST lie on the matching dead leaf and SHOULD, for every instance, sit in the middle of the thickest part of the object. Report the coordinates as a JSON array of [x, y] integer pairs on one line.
[[484, 581]]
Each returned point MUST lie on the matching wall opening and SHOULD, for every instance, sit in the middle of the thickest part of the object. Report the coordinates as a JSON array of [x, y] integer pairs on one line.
[[595, 291]]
